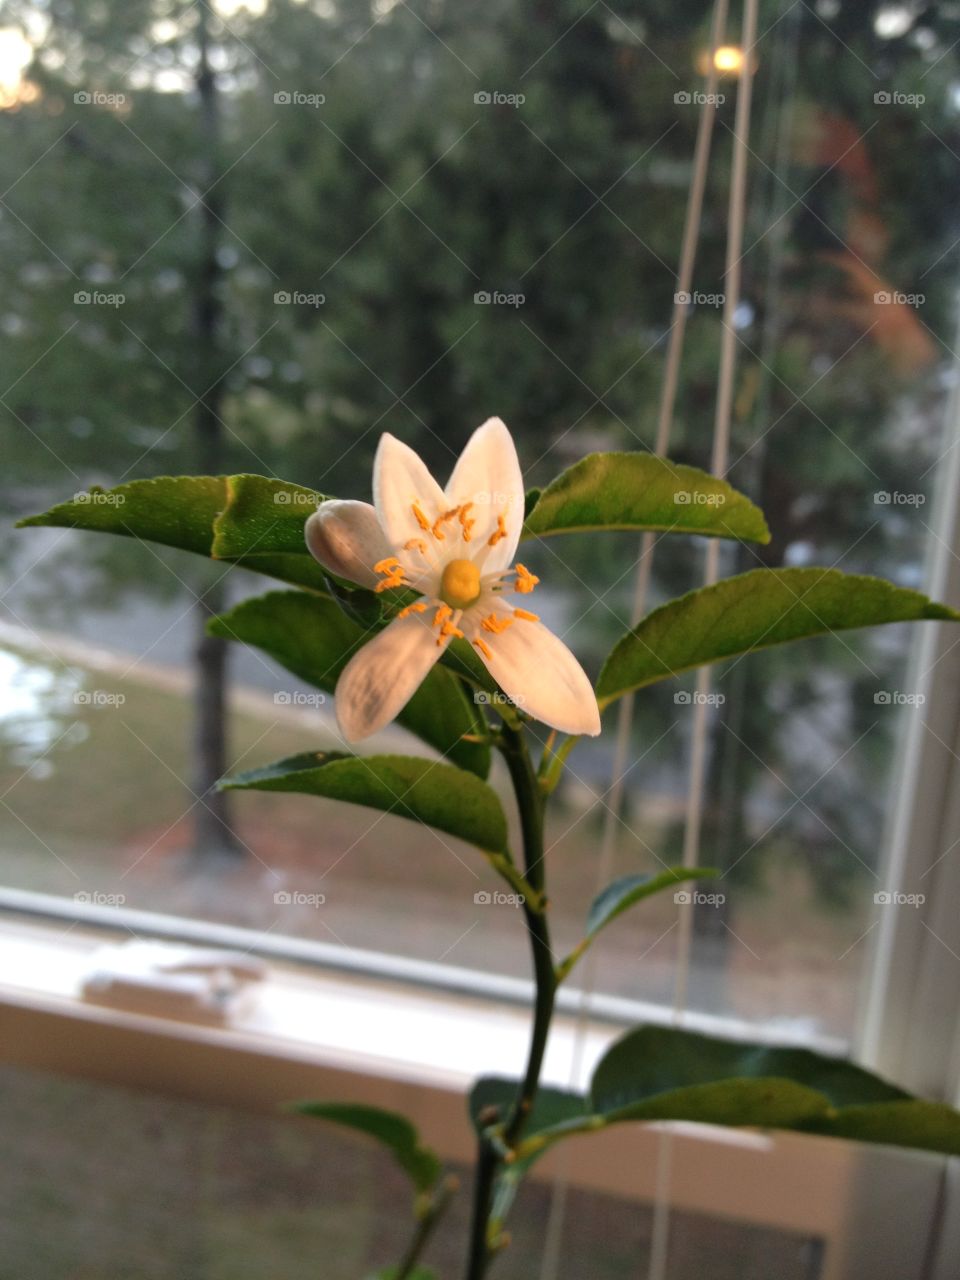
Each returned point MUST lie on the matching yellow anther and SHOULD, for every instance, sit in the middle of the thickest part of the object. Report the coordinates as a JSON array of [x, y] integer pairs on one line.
[[416, 544], [448, 629], [499, 533], [527, 617], [390, 565], [526, 580], [418, 607], [396, 580], [441, 520], [420, 518], [460, 584], [484, 648], [443, 613], [496, 625], [467, 521]]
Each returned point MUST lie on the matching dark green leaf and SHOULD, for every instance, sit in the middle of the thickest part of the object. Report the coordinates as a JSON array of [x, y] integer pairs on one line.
[[186, 512], [393, 1130], [263, 515], [753, 611], [312, 637], [655, 1060], [552, 1106], [439, 795], [621, 894], [642, 491]]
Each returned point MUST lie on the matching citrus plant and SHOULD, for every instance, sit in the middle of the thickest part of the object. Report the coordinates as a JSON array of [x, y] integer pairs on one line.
[[418, 609]]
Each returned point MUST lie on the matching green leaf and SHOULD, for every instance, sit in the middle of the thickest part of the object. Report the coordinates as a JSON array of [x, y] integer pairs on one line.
[[619, 896], [927, 1126], [395, 1131], [651, 1061], [754, 611], [642, 491], [312, 637], [187, 512], [263, 516], [622, 893], [551, 1107], [439, 795]]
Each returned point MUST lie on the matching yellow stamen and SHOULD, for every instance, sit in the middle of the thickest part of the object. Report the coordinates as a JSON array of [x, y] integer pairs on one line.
[[467, 521], [395, 581], [526, 580], [448, 629], [393, 570], [418, 607], [527, 617], [440, 521], [443, 613], [416, 544], [420, 518], [460, 584], [499, 533], [496, 625], [390, 565], [483, 647]]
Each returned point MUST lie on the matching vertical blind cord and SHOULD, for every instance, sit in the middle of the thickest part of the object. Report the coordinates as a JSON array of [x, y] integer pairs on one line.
[[613, 799], [721, 451]]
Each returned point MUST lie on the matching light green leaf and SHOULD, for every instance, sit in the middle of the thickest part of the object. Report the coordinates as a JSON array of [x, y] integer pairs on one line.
[[311, 636], [619, 896], [642, 491], [439, 795], [927, 1126], [186, 512], [754, 611], [395, 1132]]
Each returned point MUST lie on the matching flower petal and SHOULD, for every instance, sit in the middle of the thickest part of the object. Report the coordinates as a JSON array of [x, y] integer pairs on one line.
[[488, 475], [380, 679], [347, 539], [538, 672], [400, 480]]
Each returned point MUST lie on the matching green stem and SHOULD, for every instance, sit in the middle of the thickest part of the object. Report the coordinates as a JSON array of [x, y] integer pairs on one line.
[[530, 797], [429, 1218]]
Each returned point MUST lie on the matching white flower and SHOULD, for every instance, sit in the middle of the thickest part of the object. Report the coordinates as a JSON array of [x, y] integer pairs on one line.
[[455, 547]]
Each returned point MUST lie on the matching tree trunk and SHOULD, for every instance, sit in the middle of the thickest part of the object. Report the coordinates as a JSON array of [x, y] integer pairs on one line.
[[212, 830]]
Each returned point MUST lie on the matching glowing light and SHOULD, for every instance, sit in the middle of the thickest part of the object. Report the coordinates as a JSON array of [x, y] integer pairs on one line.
[[728, 59], [16, 52]]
